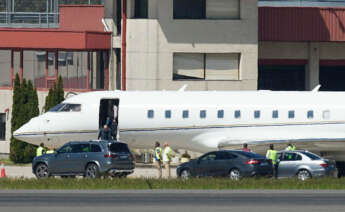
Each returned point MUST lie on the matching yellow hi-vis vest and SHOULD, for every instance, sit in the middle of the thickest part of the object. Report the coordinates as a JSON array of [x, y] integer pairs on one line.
[[168, 154], [158, 153], [39, 151], [272, 154]]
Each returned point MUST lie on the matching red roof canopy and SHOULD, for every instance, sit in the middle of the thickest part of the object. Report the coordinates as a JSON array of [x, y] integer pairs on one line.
[[80, 28]]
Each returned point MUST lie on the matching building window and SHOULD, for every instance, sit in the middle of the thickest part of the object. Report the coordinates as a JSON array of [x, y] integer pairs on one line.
[[210, 66], [141, 9], [291, 114], [257, 114], [2, 126], [206, 9], [237, 114], [220, 114], [168, 114], [34, 67], [222, 9], [150, 114], [310, 114], [190, 9], [185, 114], [326, 114], [202, 114], [275, 114], [5, 67]]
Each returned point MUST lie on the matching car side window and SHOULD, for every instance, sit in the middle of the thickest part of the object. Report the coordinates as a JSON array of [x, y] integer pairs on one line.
[[77, 148], [209, 157], [95, 148], [288, 156], [224, 156], [66, 149]]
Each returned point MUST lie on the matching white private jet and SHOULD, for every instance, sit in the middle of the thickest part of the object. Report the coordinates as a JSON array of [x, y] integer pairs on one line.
[[199, 121]]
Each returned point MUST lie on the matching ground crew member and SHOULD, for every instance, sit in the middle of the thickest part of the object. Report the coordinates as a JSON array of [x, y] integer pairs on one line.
[[158, 158], [104, 133], [272, 155], [245, 148], [50, 151], [40, 150], [167, 156], [290, 147]]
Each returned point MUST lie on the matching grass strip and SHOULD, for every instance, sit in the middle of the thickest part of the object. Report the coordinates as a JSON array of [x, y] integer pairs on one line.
[[144, 183]]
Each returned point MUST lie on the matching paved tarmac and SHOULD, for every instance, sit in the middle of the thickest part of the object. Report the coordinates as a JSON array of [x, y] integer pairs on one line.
[[172, 200]]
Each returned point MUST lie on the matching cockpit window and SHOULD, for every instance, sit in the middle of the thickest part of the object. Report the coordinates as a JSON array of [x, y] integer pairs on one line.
[[56, 108], [66, 108], [71, 108]]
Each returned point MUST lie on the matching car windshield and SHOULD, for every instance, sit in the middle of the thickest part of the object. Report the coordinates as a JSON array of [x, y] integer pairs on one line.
[[251, 155], [118, 147], [311, 156]]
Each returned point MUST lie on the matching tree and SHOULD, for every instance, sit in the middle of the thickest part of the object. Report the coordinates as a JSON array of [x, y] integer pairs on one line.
[[55, 95], [25, 107]]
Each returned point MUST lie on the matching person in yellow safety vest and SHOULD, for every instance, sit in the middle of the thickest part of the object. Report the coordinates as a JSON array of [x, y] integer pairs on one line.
[[290, 147], [158, 158], [50, 151], [40, 150], [272, 155], [167, 156]]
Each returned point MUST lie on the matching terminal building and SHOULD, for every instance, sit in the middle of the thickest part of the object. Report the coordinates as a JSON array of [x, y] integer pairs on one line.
[[165, 44]]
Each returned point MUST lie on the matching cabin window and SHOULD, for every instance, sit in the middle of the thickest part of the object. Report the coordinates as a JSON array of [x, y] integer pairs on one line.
[[291, 114], [150, 114], [220, 114], [326, 114], [257, 114], [203, 114], [168, 114], [185, 114], [310, 114], [275, 114], [237, 114]]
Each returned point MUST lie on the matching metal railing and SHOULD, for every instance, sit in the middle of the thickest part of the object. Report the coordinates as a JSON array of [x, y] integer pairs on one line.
[[29, 19]]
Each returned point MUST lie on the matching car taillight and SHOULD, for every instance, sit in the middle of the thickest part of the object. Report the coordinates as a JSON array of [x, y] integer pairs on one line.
[[110, 156], [252, 161], [324, 165]]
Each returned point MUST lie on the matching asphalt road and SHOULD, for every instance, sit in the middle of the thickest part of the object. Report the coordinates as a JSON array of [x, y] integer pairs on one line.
[[172, 200]]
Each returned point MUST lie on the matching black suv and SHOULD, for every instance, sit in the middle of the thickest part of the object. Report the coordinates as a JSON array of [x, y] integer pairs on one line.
[[90, 159]]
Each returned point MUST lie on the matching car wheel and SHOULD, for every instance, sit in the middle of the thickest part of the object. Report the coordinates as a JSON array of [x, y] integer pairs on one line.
[[235, 174], [41, 171], [185, 174], [92, 171], [303, 175]]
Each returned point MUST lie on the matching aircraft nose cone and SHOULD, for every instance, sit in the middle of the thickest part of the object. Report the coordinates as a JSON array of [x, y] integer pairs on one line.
[[26, 129]]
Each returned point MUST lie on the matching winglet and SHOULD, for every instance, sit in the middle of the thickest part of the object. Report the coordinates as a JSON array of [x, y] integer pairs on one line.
[[316, 89], [183, 88]]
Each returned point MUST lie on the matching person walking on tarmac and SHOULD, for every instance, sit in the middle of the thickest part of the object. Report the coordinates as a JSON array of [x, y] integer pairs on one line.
[[272, 155], [245, 148], [104, 133], [40, 150], [290, 147], [158, 158], [167, 156]]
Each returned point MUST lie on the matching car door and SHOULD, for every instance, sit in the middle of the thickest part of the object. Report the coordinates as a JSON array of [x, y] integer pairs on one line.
[[205, 165], [81, 157], [287, 165], [76, 160], [224, 162], [60, 163]]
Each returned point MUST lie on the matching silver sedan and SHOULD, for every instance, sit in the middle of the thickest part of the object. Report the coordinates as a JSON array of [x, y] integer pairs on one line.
[[303, 165]]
